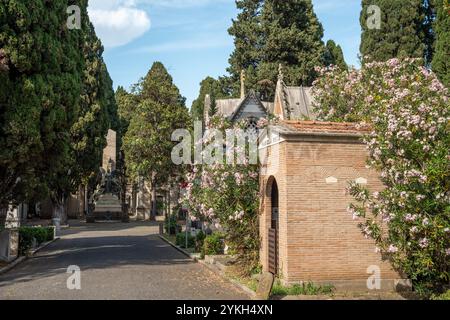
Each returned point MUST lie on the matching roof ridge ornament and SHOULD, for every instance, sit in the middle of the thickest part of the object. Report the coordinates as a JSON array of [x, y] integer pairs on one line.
[[280, 72], [243, 84]]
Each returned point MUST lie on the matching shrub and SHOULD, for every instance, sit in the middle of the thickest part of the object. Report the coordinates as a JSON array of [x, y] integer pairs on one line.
[[25, 240], [304, 289], [226, 196], [171, 225], [213, 244], [408, 111], [181, 240], [199, 241], [27, 235], [445, 296]]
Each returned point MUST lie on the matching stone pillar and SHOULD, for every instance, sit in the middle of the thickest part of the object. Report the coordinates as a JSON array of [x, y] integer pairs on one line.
[[9, 238], [12, 218], [140, 208]]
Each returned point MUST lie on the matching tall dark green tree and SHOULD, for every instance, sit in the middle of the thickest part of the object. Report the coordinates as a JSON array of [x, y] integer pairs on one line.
[[126, 107], [211, 86], [293, 38], [270, 32], [56, 101], [96, 113], [248, 39], [147, 143], [405, 30], [334, 55], [441, 60], [41, 77]]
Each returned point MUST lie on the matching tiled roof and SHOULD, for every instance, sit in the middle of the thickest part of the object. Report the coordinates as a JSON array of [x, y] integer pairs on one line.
[[324, 127]]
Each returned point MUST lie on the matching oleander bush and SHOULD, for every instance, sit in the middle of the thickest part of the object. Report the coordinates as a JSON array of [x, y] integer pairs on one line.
[[407, 111], [226, 196]]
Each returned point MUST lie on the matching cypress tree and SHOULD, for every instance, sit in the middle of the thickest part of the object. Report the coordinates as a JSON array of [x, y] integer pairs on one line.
[[158, 86], [404, 31], [334, 55], [56, 101], [248, 37], [126, 107], [441, 60], [40, 95], [211, 86], [271, 32], [96, 113]]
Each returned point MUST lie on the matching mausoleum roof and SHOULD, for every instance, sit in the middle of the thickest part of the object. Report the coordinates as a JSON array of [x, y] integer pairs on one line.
[[291, 126]]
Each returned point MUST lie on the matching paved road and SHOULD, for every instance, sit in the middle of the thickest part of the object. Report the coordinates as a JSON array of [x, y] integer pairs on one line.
[[117, 261]]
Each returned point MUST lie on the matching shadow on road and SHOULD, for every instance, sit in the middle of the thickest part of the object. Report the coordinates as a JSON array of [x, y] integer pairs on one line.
[[99, 251]]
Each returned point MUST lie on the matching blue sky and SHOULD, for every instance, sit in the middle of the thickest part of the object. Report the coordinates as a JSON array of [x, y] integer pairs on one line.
[[190, 36]]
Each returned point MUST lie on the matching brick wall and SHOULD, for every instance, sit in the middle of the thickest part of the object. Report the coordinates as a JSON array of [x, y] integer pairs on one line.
[[318, 240]]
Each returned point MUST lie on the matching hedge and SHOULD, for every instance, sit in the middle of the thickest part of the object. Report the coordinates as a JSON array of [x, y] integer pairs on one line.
[[27, 234]]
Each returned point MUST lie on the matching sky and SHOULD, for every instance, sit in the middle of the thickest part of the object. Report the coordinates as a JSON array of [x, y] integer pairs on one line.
[[190, 36]]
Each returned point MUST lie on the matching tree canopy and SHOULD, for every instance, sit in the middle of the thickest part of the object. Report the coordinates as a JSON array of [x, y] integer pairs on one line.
[[441, 60], [160, 110], [213, 87], [268, 33], [405, 30], [56, 100], [334, 55]]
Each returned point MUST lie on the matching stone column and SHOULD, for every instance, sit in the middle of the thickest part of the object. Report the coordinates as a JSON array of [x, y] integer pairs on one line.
[[140, 210], [9, 238]]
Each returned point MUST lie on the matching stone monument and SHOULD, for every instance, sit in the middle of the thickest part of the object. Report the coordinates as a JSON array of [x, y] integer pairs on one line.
[[106, 199], [110, 152], [9, 237]]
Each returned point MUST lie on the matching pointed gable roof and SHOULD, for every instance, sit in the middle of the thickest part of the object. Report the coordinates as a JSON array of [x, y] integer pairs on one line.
[[250, 99], [293, 103]]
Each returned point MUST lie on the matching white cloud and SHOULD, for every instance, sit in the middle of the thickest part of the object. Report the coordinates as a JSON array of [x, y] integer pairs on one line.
[[118, 22]]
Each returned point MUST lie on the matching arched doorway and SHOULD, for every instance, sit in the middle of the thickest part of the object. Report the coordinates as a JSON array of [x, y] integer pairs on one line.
[[272, 193]]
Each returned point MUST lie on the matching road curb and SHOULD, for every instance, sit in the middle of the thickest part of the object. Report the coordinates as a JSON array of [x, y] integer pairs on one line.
[[216, 270], [213, 269], [21, 259], [190, 256], [43, 246]]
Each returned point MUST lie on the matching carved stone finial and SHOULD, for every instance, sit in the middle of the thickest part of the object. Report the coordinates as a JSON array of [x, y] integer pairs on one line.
[[242, 84], [280, 72]]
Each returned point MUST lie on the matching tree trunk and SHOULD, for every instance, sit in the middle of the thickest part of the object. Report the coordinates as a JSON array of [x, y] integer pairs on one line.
[[86, 200], [82, 197], [59, 209], [154, 207]]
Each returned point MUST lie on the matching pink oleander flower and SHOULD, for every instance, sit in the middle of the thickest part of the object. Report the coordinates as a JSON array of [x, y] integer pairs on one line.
[[423, 243], [392, 249]]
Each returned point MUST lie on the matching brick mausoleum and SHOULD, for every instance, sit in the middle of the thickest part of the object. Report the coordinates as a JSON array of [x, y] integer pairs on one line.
[[307, 233]]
